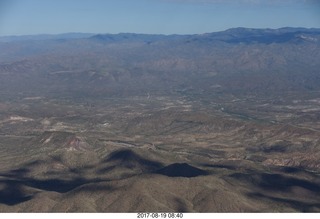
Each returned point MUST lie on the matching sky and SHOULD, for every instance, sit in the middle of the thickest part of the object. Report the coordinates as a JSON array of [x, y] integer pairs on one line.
[[27, 17]]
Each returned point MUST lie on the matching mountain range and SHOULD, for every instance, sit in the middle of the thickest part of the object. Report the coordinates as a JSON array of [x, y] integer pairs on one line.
[[216, 122]]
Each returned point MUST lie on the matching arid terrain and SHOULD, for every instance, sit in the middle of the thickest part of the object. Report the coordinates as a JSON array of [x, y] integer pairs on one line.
[[218, 122]]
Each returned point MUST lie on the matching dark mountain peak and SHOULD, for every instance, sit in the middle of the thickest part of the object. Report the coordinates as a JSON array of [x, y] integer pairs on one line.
[[131, 159], [123, 155], [181, 170]]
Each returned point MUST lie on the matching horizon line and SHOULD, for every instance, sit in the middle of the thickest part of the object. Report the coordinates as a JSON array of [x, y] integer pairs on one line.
[[144, 33]]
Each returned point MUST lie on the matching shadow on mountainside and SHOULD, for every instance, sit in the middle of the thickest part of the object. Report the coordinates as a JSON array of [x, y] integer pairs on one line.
[[12, 193], [130, 160], [297, 205], [128, 156], [277, 188], [17, 186], [181, 170], [276, 182]]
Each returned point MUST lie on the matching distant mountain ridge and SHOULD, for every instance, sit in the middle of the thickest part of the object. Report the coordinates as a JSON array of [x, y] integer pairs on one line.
[[236, 60], [233, 35], [266, 36], [45, 37]]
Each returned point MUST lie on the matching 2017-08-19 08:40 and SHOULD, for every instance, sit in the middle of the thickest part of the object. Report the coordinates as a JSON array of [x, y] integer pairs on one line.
[[160, 215]]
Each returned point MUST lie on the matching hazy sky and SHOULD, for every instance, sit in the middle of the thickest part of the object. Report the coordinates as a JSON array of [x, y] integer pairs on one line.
[[20, 17]]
